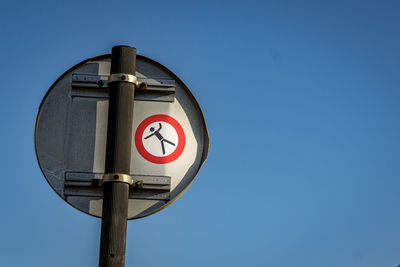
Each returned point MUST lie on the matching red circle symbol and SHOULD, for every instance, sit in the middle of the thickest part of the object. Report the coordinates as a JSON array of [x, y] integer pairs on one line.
[[141, 147]]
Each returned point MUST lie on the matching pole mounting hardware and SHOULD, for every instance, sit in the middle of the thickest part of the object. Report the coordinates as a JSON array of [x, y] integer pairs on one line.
[[122, 77], [117, 177], [125, 77], [122, 178]]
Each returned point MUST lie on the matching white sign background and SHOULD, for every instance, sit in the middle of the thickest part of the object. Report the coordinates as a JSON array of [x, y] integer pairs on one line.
[[153, 144]]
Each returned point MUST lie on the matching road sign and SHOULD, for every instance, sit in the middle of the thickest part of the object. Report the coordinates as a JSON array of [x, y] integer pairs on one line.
[[163, 145], [169, 135]]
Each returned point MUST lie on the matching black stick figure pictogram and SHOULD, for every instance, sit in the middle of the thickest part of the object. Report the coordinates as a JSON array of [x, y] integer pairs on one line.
[[160, 137]]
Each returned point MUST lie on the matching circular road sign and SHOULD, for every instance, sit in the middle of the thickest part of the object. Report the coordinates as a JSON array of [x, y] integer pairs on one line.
[[169, 133], [163, 145]]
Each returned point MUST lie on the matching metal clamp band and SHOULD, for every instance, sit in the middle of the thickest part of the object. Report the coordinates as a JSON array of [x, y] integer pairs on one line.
[[123, 77], [117, 177]]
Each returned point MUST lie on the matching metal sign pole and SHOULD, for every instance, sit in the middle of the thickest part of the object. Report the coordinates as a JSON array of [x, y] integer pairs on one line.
[[122, 84]]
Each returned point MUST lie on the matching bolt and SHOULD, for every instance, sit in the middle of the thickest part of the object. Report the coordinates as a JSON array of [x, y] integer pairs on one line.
[[142, 85]]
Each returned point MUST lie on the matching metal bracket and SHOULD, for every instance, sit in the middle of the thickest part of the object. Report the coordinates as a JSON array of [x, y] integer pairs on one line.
[[147, 89], [122, 77], [81, 184], [129, 78], [117, 177]]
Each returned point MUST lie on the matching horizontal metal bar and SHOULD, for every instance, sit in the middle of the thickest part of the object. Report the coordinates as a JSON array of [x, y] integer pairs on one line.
[[155, 180], [83, 176], [162, 85], [148, 182], [149, 194], [157, 89], [89, 80], [79, 183], [79, 191]]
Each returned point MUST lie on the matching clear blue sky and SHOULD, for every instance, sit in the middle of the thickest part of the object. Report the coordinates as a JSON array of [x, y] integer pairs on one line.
[[302, 103]]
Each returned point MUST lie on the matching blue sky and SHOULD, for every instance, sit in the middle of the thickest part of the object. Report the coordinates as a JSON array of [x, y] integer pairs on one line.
[[301, 99]]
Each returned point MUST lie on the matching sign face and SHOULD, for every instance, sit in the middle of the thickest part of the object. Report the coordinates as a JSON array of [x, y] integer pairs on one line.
[[169, 138], [160, 139]]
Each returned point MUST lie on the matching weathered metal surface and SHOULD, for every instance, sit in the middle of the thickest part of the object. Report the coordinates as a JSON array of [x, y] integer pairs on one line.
[[71, 130]]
